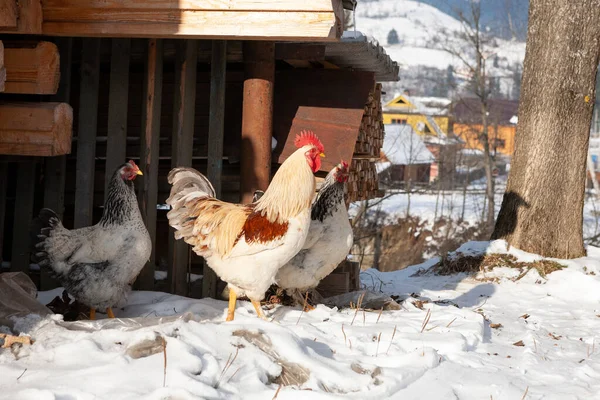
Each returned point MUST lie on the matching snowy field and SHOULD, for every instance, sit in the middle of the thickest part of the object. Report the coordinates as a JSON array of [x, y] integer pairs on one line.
[[470, 339]]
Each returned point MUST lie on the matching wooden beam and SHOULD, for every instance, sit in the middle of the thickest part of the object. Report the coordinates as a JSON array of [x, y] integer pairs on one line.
[[86, 132], [216, 134], [35, 129], [8, 14], [257, 118], [55, 169], [23, 216], [117, 107], [149, 156], [320, 20], [3, 178], [184, 101], [31, 67], [29, 17], [2, 68], [300, 51]]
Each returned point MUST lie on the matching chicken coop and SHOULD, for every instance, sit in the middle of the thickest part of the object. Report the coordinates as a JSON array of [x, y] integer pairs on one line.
[[223, 86]]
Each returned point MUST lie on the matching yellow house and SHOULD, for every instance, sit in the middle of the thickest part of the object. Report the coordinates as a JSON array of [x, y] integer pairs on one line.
[[426, 115]]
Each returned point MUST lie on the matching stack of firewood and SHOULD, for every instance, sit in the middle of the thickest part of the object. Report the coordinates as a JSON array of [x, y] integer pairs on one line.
[[363, 182]]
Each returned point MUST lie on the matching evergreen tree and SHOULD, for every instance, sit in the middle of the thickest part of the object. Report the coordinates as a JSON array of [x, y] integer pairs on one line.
[[393, 37]]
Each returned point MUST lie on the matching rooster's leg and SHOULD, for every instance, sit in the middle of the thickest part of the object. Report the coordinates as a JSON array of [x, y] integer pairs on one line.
[[92, 314], [259, 311], [110, 312], [232, 301]]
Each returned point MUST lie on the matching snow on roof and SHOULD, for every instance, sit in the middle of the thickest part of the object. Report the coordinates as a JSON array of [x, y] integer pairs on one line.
[[422, 105], [403, 146]]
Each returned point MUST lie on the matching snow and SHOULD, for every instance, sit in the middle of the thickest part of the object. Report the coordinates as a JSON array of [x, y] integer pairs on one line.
[[403, 146], [446, 350]]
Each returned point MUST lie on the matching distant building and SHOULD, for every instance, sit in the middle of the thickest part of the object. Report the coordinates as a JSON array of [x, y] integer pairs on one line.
[[405, 157], [502, 124], [427, 116]]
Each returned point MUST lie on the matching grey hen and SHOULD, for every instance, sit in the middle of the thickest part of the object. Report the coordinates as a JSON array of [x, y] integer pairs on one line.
[[98, 264]]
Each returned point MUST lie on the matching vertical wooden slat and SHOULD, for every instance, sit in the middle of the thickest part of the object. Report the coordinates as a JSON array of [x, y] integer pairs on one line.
[[215, 139], [23, 215], [149, 152], [117, 107], [86, 132], [257, 118], [3, 177], [55, 167], [184, 101]]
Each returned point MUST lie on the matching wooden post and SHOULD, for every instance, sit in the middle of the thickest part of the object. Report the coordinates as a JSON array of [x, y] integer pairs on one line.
[[257, 118], [149, 152], [86, 132], [3, 177], [216, 126], [56, 167], [117, 108], [184, 102], [23, 215]]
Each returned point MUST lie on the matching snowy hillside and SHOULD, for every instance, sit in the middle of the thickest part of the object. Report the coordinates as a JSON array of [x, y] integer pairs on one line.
[[497, 335], [423, 32]]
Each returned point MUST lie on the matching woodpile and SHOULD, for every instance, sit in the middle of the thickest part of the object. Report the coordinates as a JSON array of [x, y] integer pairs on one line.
[[363, 182]]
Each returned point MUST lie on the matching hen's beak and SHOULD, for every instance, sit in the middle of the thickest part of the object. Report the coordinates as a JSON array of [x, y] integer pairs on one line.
[[138, 172], [322, 154]]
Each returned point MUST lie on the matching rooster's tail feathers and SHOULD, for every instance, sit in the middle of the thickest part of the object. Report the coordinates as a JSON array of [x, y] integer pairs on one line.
[[187, 184]]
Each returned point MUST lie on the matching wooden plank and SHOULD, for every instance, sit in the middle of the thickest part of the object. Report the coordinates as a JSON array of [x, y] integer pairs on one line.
[[56, 167], [23, 216], [117, 107], [8, 14], [31, 67], [322, 101], [300, 51], [184, 101], [218, 70], [285, 20], [29, 18], [35, 129], [197, 5], [149, 156], [86, 132], [3, 178], [2, 68]]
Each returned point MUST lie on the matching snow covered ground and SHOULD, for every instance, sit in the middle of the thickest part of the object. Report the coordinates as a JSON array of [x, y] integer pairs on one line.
[[461, 343]]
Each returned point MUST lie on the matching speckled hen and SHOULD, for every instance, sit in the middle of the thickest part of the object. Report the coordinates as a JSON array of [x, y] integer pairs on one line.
[[97, 264]]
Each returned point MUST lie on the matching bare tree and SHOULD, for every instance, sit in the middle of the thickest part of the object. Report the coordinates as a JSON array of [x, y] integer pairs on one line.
[[542, 209], [472, 46]]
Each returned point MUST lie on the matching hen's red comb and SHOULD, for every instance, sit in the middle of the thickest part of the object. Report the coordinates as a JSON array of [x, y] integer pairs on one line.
[[308, 138], [344, 165], [132, 163]]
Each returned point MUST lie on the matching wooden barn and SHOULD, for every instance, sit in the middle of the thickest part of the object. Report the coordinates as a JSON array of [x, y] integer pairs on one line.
[[86, 85]]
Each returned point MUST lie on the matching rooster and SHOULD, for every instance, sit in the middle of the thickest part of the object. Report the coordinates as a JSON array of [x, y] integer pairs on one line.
[[97, 264], [328, 242], [245, 244]]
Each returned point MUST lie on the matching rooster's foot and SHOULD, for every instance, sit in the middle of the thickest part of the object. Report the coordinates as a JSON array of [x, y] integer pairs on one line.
[[110, 313], [232, 302], [259, 311], [92, 314]]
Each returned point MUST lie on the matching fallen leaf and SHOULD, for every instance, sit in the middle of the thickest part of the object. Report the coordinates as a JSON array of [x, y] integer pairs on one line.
[[519, 343], [524, 316], [553, 336], [495, 326]]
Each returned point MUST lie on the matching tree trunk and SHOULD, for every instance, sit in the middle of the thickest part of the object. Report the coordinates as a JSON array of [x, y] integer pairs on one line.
[[542, 209]]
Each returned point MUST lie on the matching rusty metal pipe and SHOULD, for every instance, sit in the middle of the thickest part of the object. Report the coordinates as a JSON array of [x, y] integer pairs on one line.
[[257, 118]]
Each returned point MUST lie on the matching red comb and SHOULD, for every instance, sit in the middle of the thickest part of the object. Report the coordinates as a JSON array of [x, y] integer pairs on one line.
[[344, 165], [308, 138], [132, 163]]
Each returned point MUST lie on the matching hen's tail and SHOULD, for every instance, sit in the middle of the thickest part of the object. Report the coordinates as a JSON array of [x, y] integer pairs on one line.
[[41, 229], [188, 184]]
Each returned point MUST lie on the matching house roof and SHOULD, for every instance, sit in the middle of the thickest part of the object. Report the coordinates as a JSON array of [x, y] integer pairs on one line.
[[433, 106], [501, 112], [403, 146], [356, 51]]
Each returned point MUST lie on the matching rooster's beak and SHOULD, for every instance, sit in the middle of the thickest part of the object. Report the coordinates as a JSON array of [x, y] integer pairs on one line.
[[138, 172], [322, 154]]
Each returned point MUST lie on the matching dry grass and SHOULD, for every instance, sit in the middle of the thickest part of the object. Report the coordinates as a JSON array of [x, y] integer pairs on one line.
[[487, 262]]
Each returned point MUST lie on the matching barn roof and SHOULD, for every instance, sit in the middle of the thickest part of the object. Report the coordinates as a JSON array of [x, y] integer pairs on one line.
[[403, 146], [501, 112]]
